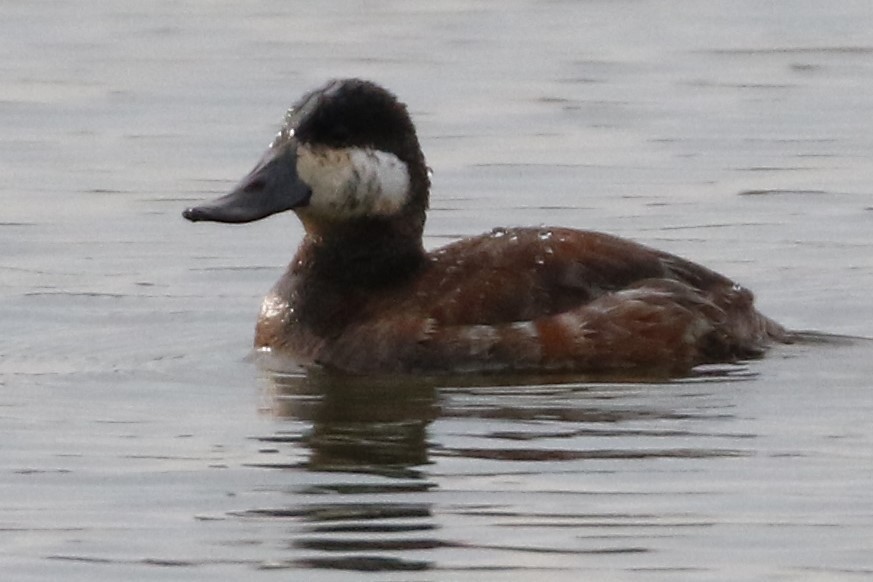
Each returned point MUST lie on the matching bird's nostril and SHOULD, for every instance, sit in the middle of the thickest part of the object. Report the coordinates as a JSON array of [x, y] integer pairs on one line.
[[255, 185]]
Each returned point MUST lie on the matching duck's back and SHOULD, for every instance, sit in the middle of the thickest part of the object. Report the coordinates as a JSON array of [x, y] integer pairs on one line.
[[521, 274]]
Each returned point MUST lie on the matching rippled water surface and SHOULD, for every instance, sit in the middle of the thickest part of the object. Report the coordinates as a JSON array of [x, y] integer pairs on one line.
[[139, 443]]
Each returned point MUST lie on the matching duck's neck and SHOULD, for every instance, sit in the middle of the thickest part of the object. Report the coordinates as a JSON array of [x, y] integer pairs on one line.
[[365, 254]]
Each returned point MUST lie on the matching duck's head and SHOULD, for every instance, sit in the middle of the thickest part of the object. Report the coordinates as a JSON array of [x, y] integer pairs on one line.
[[347, 153]]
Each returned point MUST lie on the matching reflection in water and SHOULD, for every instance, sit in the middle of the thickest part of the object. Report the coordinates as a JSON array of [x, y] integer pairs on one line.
[[364, 500], [375, 428], [359, 424]]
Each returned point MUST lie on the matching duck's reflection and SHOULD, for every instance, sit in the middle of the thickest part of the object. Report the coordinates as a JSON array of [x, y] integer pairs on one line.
[[371, 434], [359, 424], [379, 425], [361, 499]]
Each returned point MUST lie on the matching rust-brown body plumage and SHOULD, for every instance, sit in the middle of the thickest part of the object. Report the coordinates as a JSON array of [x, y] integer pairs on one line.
[[520, 299]]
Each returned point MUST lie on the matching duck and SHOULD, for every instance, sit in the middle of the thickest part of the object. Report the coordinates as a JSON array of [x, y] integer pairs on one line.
[[362, 295]]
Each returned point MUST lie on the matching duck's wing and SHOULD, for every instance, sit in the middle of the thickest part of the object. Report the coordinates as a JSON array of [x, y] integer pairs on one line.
[[657, 325], [521, 274]]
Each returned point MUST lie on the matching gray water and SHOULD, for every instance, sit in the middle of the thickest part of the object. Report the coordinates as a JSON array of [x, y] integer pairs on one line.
[[139, 443]]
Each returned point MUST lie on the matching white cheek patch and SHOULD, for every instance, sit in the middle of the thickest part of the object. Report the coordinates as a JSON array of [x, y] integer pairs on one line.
[[385, 179], [352, 182]]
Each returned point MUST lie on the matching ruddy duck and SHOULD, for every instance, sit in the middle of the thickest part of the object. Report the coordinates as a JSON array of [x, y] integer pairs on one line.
[[362, 295]]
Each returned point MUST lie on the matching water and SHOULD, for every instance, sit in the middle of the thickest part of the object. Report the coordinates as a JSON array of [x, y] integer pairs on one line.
[[140, 444]]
